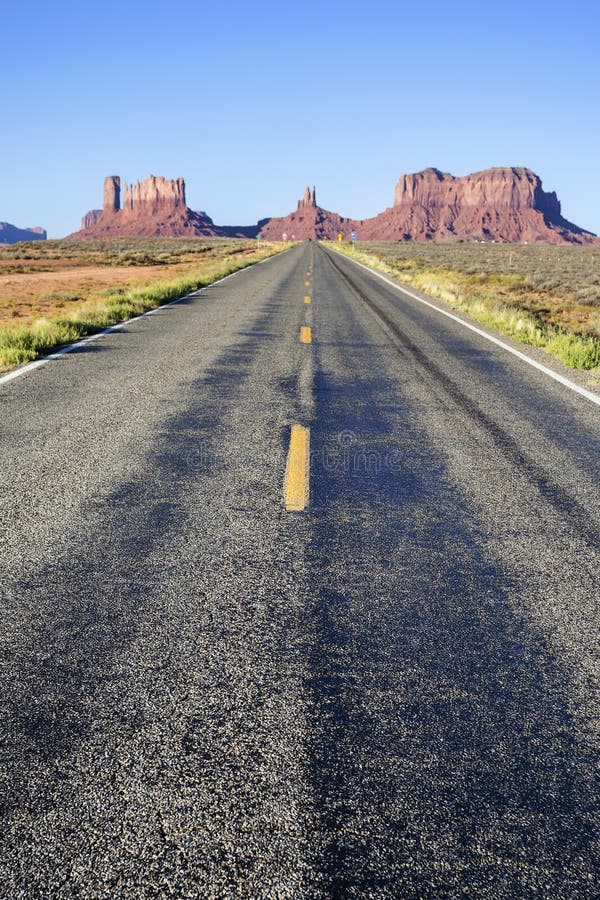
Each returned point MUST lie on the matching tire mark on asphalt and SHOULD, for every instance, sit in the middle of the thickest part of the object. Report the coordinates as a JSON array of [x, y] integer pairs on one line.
[[575, 516], [445, 756]]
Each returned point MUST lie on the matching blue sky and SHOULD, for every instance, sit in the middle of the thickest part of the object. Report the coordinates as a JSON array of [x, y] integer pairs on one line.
[[252, 101]]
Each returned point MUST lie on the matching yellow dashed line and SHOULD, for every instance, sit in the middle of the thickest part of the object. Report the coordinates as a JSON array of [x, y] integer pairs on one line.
[[296, 486], [305, 334], [307, 283], [307, 299]]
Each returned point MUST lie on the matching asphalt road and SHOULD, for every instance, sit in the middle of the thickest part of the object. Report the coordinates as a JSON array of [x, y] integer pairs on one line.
[[392, 693]]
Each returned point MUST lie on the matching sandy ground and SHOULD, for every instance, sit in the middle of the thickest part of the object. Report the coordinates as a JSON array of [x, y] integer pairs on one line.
[[25, 296]]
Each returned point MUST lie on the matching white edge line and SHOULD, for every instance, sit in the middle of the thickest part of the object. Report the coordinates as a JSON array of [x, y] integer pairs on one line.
[[38, 363], [589, 395]]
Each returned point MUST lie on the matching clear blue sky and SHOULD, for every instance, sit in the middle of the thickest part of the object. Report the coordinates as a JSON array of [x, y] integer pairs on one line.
[[251, 101]]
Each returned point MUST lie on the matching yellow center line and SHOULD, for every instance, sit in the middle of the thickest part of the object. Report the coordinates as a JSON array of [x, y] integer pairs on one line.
[[307, 299], [305, 334], [307, 283], [297, 475]]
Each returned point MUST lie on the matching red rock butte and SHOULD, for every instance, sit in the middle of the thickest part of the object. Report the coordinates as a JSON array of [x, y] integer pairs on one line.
[[308, 222], [501, 204], [156, 206], [507, 204]]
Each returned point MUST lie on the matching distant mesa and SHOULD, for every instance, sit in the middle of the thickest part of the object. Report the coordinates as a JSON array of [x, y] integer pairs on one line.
[[10, 234], [308, 222], [501, 204], [156, 206]]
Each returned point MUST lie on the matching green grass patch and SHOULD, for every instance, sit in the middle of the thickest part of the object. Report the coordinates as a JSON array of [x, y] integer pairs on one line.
[[24, 343]]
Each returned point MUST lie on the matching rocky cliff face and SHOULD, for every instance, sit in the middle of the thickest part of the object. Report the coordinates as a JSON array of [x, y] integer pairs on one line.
[[10, 234], [506, 204], [502, 204], [493, 188], [154, 196], [309, 199], [309, 221], [112, 195], [90, 218], [155, 206]]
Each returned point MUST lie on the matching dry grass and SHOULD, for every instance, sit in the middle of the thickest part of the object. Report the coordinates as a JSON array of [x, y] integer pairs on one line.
[[543, 295], [54, 292], [47, 278]]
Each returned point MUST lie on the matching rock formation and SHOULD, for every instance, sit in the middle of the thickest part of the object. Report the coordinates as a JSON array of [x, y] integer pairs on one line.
[[502, 204], [90, 218], [153, 196], [308, 222], [309, 200], [112, 195], [506, 204], [10, 234], [156, 206]]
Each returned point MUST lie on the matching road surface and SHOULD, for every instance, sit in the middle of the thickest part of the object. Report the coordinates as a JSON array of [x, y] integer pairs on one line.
[[221, 677]]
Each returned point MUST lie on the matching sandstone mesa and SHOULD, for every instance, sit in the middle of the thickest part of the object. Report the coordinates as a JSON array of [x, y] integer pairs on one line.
[[501, 204], [155, 206], [10, 234]]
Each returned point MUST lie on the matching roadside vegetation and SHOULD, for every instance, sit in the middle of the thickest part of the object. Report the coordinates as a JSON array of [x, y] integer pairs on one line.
[[54, 292], [543, 295]]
